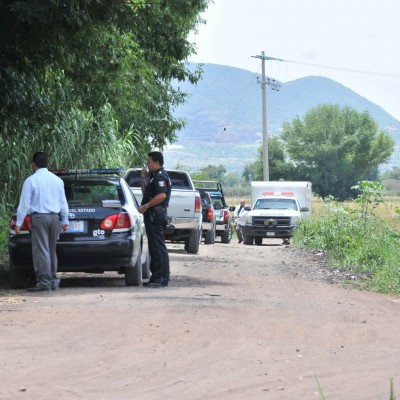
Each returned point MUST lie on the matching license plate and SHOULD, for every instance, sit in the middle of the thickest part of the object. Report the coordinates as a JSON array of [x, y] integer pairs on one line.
[[270, 233], [76, 227]]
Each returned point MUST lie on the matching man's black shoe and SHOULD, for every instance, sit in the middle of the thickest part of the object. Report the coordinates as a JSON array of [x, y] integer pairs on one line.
[[38, 289], [240, 241]]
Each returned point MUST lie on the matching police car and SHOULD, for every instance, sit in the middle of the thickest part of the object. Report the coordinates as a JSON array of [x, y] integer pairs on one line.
[[106, 232]]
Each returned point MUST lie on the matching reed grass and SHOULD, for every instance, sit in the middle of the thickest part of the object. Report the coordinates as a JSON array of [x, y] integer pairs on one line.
[[366, 243]]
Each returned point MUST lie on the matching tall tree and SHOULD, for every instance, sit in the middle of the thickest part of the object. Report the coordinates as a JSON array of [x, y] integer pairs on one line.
[[279, 165], [335, 147], [90, 81], [210, 173], [122, 52]]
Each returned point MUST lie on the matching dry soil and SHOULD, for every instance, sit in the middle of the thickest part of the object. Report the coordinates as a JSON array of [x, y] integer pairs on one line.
[[236, 322]]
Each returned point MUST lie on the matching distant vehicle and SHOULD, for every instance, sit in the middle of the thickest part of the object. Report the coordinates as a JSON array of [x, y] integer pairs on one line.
[[209, 224], [106, 232], [184, 210], [277, 209], [222, 211]]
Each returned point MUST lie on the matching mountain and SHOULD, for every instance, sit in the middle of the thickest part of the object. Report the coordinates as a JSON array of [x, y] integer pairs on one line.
[[224, 115]]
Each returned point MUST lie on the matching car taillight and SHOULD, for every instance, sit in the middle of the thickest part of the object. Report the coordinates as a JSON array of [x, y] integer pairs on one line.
[[210, 214], [26, 224], [197, 204], [226, 216], [13, 223], [116, 221]]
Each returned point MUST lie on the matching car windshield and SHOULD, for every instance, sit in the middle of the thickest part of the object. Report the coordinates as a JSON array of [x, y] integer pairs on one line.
[[276, 204], [91, 193]]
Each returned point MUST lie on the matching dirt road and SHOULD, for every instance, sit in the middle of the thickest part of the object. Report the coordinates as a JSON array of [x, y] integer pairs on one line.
[[237, 322]]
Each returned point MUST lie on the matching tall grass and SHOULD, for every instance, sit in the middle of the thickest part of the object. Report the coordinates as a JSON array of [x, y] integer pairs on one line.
[[75, 139], [357, 236]]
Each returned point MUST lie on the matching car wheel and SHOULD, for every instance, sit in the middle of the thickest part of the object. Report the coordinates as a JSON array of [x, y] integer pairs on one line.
[[227, 235], [133, 274], [248, 240], [258, 240], [18, 279], [193, 242], [146, 266], [210, 237]]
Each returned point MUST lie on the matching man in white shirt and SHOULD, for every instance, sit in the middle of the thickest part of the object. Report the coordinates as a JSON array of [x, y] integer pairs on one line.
[[239, 215], [43, 198]]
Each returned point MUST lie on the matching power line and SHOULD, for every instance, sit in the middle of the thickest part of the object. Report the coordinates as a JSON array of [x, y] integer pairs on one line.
[[239, 103], [358, 71]]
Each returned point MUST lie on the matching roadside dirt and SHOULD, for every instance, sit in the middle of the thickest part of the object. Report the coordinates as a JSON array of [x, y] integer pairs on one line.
[[237, 322]]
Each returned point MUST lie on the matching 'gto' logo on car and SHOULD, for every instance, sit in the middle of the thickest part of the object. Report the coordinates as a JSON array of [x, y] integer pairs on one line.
[[98, 232], [71, 215]]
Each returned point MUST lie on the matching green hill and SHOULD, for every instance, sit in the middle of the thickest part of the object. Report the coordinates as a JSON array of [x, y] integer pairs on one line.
[[224, 112]]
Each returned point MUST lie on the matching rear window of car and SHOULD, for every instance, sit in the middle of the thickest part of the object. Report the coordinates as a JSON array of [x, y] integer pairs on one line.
[[178, 180], [217, 200], [91, 193]]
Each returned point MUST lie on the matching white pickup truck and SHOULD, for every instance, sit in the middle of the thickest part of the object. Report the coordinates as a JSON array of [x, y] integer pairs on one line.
[[184, 210], [277, 208]]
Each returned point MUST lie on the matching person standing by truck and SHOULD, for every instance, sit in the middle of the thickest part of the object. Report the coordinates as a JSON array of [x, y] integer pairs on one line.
[[239, 214], [156, 189]]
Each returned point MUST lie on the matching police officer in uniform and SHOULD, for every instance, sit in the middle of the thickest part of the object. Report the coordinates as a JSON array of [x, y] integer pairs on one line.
[[156, 189]]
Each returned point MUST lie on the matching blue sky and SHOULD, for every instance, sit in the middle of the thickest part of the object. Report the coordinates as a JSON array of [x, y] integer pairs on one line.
[[344, 35]]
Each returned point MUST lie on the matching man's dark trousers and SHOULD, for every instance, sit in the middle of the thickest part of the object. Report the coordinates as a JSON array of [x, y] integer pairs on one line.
[[155, 220]]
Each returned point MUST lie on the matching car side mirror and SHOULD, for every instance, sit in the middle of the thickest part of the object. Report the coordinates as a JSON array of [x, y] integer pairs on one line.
[[304, 209], [247, 208], [232, 208]]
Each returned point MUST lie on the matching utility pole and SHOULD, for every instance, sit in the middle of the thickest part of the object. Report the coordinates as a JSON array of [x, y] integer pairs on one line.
[[275, 86]]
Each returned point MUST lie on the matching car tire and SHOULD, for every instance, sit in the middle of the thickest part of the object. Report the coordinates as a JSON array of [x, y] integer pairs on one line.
[[227, 235], [193, 242], [18, 279], [133, 274], [258, 240], [248, 240], [210, 237], [146, 266]]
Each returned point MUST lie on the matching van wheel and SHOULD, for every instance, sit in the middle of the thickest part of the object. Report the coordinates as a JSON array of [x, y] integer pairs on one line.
[[18, 279], [248, 240]]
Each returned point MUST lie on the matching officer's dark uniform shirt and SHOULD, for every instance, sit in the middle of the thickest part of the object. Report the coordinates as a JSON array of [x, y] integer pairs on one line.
[[159, 182]]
